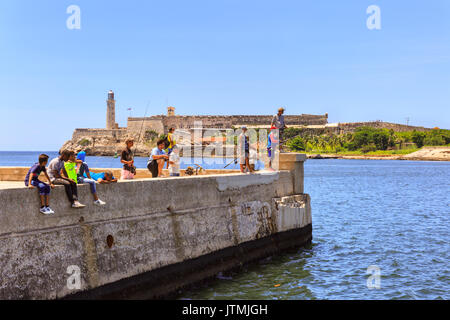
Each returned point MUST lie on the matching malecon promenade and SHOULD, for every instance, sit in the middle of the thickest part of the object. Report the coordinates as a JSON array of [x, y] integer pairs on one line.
[[153, 237]]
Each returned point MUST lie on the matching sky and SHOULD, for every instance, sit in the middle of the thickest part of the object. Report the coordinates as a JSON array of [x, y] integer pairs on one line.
[[219, 57]]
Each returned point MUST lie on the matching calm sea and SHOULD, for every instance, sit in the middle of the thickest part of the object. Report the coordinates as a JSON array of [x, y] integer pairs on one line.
[[391, 214], [28, 158], [394, 215]]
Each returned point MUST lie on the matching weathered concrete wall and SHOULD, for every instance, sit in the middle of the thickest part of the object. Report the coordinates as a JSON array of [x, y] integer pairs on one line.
[[19, 173], [145, 226]]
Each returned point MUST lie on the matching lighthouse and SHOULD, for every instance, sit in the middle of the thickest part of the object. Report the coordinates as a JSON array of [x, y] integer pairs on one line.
[[111, 112]]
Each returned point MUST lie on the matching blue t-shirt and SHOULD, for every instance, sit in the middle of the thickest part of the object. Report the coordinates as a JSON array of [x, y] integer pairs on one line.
[[156, 152], [35, 171], [269, 140], [81, 156], [96, 176]]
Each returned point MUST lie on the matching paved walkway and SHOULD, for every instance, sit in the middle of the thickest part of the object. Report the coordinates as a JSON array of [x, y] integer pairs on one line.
[[11, 184]]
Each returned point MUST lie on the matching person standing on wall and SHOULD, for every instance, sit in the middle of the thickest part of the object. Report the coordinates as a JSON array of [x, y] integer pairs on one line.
[[171, 141], [128, 170], [278, 123], [244, 150]]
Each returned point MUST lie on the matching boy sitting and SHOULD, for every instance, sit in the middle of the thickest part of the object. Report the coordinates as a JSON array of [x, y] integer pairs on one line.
[[70, 167], [32, 181], [157, 158], [55, 167]]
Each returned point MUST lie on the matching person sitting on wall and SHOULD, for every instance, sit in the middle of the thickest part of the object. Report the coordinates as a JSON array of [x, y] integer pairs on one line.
[[55, 168], [128, 170], [72, 174], [157, 158], [32, 181], [244, 150]]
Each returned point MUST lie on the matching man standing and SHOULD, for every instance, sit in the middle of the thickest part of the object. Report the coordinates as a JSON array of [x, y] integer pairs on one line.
[[171, 141], [278, 123], [244, 150]]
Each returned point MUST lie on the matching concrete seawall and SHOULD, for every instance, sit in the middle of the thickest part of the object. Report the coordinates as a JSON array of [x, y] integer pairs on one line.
[[153, 236]]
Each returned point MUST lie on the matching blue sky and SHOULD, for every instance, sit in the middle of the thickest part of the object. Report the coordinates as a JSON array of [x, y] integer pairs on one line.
[[218, 57]]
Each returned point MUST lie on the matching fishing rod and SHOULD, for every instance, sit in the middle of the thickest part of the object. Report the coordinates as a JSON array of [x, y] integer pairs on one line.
[[234, 160], [140, 132]]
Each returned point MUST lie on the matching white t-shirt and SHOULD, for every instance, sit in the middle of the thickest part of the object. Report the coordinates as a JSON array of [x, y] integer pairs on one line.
[[253, 156], [54, 169], [174, 168]]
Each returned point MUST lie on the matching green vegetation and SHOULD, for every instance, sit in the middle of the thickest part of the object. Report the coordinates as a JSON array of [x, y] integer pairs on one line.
[[365, 140], [84, 142], [150, 135]]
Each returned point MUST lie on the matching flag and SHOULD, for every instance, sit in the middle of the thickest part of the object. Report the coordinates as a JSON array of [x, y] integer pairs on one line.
[[129, 109]]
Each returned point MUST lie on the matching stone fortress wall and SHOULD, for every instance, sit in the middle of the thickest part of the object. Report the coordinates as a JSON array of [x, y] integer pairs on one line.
[[110, 140], [162, 123]]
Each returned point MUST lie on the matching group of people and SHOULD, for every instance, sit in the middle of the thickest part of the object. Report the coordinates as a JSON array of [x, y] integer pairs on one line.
[[166, 151], [68, 170], [71, 169], [247, 152]]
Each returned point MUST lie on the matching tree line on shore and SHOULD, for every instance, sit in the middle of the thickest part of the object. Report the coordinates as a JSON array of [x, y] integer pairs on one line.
[[364, 140]]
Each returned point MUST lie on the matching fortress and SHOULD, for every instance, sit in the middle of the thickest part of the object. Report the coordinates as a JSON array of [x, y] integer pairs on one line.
[[107, 141]]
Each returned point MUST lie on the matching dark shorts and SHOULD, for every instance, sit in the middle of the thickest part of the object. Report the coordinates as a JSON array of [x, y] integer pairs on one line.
[[44, 188], [153, 168]]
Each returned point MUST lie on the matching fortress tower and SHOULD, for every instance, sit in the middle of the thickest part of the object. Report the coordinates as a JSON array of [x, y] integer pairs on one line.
[[111, 112], [170, 111]]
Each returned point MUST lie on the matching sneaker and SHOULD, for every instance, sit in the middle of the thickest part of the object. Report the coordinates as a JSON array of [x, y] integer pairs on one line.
[[49, 210], [43, 210], [99, 202], [76, 204]]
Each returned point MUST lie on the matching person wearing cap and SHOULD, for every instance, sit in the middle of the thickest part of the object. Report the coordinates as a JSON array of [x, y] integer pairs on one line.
[[278, 123], [244, 150]]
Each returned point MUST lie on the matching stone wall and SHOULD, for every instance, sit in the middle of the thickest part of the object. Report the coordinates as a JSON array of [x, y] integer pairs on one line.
[[161, 123], [19, 173], [146, 226], [118, 134]]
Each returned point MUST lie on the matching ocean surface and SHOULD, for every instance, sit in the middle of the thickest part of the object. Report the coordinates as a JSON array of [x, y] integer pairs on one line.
[[28, 158], [394, 215]]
